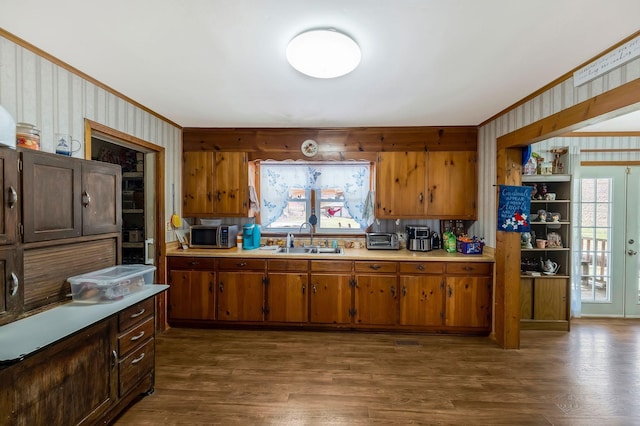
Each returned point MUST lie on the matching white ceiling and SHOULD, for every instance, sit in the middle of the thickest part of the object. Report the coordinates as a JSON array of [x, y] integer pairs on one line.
[[221, 63]]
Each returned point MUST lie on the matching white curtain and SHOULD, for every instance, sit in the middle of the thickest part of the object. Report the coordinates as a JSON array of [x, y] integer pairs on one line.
[[576, 272], [277, 178]]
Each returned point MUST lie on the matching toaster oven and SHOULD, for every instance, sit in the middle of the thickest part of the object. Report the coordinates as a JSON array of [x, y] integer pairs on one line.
[[382, 241]]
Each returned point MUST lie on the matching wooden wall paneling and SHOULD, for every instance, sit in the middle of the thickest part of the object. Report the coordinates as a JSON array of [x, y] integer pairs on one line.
[[268, 142]]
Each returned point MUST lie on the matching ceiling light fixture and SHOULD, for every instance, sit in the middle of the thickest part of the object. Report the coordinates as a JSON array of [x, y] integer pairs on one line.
[[323, 53]]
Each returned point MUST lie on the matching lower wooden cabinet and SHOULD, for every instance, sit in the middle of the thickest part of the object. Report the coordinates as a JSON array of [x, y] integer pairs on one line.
[[87, 378], [375, 293], [388, 295], [544, 303], [468, 296], [287, 291], [330, 298]]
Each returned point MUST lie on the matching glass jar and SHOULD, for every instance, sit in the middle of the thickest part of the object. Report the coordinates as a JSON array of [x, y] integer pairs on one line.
[[27, 136]]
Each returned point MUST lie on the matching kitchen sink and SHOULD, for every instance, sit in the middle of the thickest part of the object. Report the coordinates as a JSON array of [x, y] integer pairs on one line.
[[310, 250]]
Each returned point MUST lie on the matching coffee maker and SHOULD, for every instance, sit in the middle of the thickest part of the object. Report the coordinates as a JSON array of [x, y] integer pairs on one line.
[[418, 238], [250, 236]]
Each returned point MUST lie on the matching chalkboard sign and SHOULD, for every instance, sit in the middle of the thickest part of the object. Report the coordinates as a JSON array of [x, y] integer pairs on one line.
[[513, 208]]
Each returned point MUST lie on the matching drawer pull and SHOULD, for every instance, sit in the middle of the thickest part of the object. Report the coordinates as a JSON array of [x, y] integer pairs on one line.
[[194, 263], [137, 337], [114, 358], [420, 267], [242, 264], [375, 267], [137, 360], [137, 314], [15, 283], [86, 199], [468, 268], [13, 197]]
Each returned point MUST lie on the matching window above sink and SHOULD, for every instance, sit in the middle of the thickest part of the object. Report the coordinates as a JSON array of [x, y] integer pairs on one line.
[[341, 191]]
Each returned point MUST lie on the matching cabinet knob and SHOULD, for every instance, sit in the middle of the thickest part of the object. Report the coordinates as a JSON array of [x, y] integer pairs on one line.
[[420, 267], [404, 290], [315, 289], [393, 291], [375, 267], [420, 197]]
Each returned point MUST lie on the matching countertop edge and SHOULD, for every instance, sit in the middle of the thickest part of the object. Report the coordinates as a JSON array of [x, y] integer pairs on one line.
[[349, 254], [24, 337]]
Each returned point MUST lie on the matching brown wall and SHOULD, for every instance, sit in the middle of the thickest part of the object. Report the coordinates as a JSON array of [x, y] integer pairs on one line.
[[334, 144]]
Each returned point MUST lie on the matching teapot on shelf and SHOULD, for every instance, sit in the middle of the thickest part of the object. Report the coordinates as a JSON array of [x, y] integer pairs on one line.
[[549, 267]]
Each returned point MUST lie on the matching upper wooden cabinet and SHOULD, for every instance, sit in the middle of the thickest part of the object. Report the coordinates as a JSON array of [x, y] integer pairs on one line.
[[438, 184], [452, 185], [400, 185], [9, 184], [215, 183], [101, 198], [66, 197]]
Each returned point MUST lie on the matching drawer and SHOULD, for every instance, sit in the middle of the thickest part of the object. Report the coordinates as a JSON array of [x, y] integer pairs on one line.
[[375, 266], [469, 268], [135, 336], [288, 265], [421, 267], [331, 265], [230, 264], [207, 263], [135, 314], [134, 367]]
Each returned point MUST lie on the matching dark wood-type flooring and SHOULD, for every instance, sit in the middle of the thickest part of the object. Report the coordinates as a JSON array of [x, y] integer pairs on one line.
[[590, 376]]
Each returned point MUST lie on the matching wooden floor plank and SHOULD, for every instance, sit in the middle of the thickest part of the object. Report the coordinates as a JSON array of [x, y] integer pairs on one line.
[[230, 377]]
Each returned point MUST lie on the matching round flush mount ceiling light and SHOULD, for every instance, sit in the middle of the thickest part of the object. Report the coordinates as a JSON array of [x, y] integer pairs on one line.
[[323, 53]]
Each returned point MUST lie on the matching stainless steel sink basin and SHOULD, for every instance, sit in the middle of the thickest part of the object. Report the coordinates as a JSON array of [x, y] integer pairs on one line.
[[311, 250]]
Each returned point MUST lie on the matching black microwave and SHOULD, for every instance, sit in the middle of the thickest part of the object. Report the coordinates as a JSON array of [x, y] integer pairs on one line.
[[207, 236]]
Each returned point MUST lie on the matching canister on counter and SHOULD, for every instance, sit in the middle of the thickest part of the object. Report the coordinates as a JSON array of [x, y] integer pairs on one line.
[[27, 136]]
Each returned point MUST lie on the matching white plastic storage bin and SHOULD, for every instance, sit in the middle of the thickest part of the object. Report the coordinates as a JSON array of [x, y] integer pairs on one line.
[[110, 284]]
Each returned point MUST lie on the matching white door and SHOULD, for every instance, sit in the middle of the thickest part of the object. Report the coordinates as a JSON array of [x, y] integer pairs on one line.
[[608, 231]]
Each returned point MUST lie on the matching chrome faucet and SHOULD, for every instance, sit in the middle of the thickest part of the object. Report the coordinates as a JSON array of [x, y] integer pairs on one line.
[[310, 230]]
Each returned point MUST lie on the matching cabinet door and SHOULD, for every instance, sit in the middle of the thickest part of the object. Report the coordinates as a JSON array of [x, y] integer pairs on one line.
[[240, 296], [550, 299], [231, 184], [68, 383], [376, 299], [9, 198], [101, 198], [421, 300], [452, 182], [51, 201], [468, 302], [197, 183], [400, 185], [11, 288], [330, 298], [192, 295], [287, 294]]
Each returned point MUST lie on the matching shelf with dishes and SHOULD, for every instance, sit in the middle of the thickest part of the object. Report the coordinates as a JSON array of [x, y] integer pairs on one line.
[[545, 258]]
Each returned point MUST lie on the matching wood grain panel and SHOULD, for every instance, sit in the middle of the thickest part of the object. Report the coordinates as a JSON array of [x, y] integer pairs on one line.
[[46, 269], [268, 141]]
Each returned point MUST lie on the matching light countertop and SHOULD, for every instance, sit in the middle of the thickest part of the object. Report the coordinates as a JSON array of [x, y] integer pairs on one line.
[[26, 336], [349, 254]]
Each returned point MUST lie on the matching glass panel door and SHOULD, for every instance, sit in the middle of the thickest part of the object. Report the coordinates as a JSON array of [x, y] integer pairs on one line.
[[608, 213], [632, 244]]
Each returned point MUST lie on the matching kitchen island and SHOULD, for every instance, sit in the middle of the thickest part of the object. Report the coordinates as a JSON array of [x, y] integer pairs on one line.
[[360, 289]]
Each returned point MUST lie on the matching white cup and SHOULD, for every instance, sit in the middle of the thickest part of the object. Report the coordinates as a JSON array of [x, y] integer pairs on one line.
[[66, 145]]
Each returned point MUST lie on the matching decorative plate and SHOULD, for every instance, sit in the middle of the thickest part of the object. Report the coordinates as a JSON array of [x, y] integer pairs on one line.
[[309, 148]]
